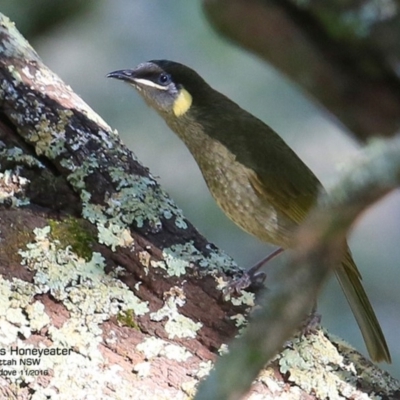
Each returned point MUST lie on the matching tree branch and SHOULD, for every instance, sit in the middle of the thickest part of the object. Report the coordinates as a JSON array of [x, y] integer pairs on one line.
[[320, 247], [342, 53]]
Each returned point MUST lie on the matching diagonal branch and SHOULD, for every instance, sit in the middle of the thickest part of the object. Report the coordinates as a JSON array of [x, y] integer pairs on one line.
[[320, 246]]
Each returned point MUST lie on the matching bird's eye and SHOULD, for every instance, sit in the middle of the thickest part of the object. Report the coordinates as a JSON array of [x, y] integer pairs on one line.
[[164, 79]]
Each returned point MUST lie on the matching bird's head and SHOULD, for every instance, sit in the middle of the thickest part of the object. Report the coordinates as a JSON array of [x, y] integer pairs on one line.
[[168, 87]]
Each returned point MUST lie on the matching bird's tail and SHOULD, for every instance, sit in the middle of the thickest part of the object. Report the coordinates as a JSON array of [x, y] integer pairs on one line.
[[350, 281]]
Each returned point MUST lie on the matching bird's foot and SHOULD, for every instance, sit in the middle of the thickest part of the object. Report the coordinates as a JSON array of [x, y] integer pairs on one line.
[[253, 282], [253, 279]]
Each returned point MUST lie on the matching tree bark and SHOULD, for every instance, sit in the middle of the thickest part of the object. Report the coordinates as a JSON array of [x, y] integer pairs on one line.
[[104, 283], [344, 54]]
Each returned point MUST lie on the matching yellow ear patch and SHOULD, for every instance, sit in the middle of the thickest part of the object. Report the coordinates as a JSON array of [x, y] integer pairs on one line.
[[182, 102]]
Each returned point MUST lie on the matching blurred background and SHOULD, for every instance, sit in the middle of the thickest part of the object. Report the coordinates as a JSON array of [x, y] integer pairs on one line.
[[83, 41]]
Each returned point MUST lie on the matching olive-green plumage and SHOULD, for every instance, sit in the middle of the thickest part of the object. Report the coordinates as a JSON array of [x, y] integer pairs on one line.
[[254, 176]]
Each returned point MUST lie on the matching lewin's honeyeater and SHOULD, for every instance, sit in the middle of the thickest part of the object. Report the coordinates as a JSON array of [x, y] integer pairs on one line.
[[254, 176]]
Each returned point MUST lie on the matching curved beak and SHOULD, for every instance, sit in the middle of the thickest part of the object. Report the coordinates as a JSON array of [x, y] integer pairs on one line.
[[123, 75]]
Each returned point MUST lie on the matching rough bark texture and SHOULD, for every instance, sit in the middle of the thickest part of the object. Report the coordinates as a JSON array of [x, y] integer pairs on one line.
[[98, 262], [345, 54]]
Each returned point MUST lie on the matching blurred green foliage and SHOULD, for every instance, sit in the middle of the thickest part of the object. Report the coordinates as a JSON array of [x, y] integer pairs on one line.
[[36, 17]]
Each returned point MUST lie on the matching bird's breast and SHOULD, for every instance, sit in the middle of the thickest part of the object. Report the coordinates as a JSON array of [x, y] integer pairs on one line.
[[228, 182]]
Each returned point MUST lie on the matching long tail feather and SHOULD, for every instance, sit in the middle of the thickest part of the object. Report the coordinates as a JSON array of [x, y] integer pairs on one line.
[[350, 281]]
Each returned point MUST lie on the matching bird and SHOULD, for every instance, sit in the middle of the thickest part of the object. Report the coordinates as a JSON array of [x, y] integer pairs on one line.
[[254, 176]]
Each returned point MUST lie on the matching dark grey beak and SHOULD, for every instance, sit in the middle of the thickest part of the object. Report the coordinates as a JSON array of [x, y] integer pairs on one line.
[[123, 75]]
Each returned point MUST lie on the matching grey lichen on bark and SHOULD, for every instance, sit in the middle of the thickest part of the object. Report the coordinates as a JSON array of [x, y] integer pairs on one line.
[[96, 258]]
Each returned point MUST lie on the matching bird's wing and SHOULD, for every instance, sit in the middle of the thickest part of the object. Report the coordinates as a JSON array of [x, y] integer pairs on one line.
[[276, 173], [279, 176], [289, 199]]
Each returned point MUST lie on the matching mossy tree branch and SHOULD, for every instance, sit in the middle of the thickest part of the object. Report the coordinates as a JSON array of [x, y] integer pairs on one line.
[[79, 216]]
